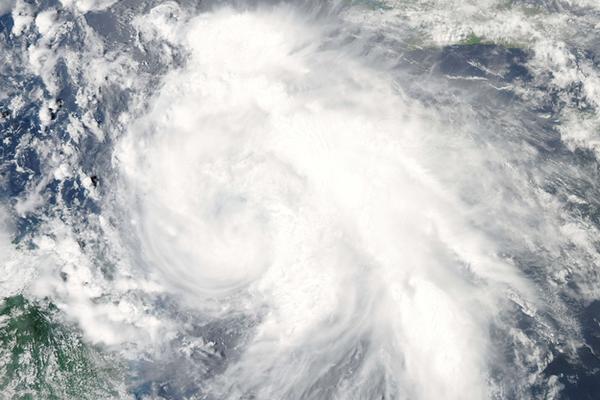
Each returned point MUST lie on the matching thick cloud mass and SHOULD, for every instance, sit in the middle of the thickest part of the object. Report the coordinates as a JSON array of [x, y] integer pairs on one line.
[[299, 199], [275, 167]]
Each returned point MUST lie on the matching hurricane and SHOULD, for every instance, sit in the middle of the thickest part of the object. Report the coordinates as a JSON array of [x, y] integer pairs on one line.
[[271, 199]]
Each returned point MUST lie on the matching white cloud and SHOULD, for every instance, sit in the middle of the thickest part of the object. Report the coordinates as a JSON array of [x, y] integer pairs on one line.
[[6, 6], [272, 172]]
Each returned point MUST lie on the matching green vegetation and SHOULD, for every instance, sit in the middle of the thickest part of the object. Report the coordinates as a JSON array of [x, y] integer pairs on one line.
[[472, 39], [43, 359]]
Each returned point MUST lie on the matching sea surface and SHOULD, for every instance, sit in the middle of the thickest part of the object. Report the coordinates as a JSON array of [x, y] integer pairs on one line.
[[285, 200]]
